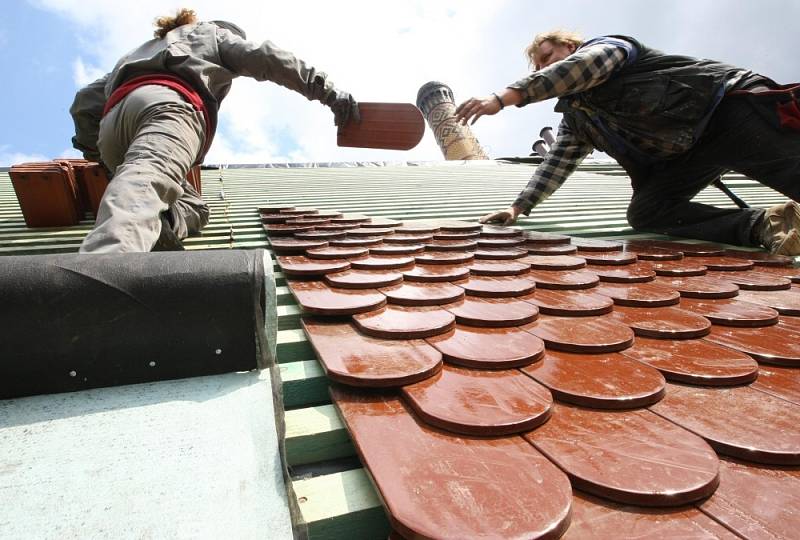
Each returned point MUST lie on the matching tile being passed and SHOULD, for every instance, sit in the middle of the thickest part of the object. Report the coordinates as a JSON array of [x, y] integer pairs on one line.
[[739, 421], [488, 348], [694, 361], [492, 312], [498, 287], [480, 402], [318, 298], [639, 294], [570, 303], [424, 475], [423, 294], [354, 359], [400, 322], [600, 381], [731, 311], [579, 335], [593, 517], [631, 457], [756, 501], [662, 322]]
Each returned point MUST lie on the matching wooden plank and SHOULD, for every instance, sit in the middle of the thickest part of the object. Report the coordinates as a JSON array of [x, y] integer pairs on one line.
[[315, 434], [342, 505], [304, 383], [293, 346]]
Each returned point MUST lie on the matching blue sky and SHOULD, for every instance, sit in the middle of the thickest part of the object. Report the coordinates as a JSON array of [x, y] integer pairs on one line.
[[379, 51], [39, 50]]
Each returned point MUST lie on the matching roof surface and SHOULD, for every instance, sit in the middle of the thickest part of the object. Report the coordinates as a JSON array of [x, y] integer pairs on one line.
[[334, 495]]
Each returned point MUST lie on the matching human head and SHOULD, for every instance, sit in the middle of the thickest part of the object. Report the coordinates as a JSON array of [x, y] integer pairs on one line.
[[166, 24], [550, 47]]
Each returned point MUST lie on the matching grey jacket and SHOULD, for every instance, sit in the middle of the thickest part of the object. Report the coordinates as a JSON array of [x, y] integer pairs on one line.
[[207, 57]]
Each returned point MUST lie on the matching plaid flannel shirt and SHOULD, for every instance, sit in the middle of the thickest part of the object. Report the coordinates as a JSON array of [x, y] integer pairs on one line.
[[586, 68]]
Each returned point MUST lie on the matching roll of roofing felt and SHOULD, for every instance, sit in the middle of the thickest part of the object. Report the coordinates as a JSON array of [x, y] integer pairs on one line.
[[71, 322]]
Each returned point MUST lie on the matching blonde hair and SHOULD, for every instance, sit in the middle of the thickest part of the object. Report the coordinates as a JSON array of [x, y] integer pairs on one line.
[[167, 24], [556, 37]]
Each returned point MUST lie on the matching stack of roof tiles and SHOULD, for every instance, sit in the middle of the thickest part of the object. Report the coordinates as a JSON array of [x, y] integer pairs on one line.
[[58, 193], [519, 384]]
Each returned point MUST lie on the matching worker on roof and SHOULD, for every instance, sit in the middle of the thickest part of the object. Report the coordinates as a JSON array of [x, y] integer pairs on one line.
[[154, 116], [674, 123]]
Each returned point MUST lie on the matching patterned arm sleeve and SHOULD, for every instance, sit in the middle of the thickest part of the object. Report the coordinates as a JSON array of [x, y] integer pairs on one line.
[[582, 70], [564, 157]]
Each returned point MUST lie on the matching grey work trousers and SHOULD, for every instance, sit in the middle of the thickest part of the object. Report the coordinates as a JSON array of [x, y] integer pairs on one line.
[[148, 141], [736, 139]]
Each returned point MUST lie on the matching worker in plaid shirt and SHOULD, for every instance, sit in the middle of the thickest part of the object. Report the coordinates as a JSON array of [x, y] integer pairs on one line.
[[674, 123]]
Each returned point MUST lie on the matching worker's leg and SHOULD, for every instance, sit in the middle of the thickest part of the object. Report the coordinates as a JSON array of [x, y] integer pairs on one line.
[[148, 141], [736, 139]]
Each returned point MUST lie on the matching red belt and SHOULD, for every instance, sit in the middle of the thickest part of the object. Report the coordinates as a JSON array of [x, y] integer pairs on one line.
[[175, 83]]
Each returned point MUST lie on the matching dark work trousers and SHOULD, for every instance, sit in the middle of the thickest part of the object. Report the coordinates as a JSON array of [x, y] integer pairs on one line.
[[736, 139]]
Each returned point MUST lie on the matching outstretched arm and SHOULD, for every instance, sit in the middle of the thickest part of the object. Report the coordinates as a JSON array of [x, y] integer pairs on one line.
[[564, 157], [267, 62], [582, 70]]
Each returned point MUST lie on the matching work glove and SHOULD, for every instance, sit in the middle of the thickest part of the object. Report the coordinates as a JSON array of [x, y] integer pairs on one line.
[[344, 107]]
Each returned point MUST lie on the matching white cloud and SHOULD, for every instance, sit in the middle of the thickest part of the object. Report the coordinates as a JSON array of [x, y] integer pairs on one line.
[[376, 51], [381, 51], [8, 156], [83, 74]]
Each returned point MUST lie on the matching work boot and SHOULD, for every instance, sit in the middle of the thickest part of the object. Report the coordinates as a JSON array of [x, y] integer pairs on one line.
[[167, 240], [780, 229]]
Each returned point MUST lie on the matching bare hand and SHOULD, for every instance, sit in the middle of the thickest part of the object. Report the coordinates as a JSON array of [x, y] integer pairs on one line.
[[474, 108], [505, 217]]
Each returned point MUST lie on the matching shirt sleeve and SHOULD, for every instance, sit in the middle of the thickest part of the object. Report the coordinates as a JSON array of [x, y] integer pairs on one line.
[[267, 62], [87, 111], [563, 158], [582, 70]]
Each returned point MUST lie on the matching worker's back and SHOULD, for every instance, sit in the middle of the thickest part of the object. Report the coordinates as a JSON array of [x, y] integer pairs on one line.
[[191, 51]]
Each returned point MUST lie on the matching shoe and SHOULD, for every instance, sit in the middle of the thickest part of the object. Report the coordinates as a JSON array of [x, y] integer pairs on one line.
[[780, 232], [167, 240]]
